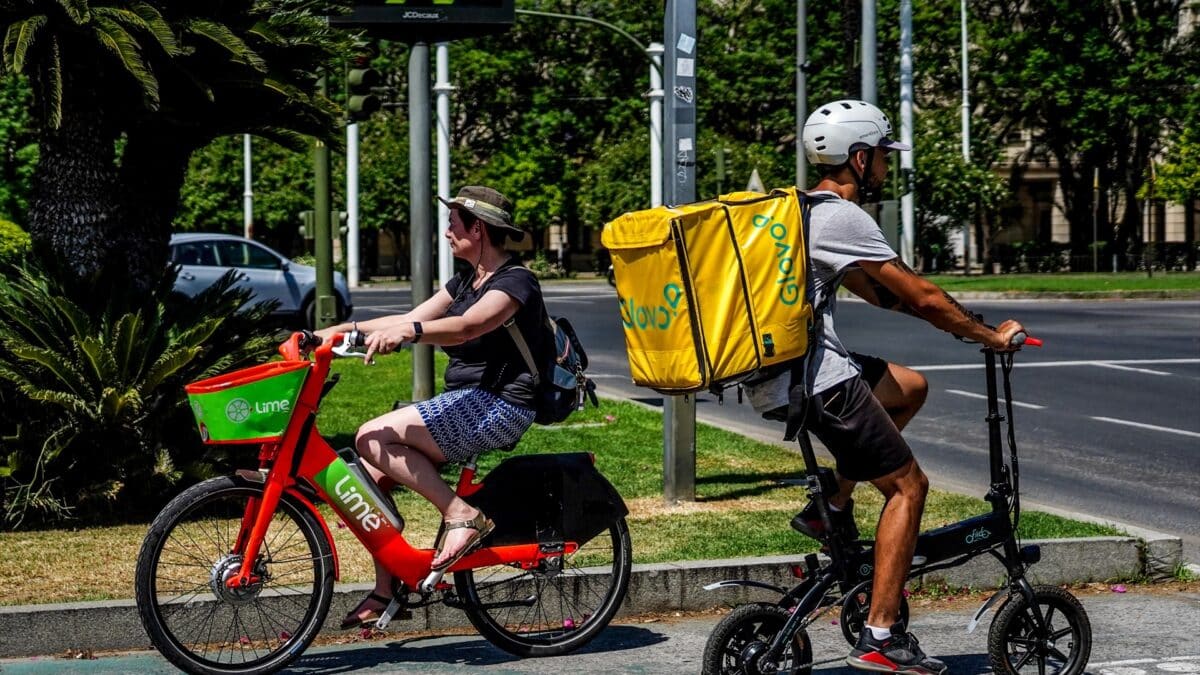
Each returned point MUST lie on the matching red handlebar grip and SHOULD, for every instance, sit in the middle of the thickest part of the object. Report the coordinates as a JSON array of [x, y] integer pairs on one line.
[[290, 349], [1033, 342]]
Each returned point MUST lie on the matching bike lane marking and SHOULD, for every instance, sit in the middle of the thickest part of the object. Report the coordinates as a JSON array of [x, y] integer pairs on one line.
[[971, 394], [1140, 425], [1117, 366], [1105, 363], [1174, 664]]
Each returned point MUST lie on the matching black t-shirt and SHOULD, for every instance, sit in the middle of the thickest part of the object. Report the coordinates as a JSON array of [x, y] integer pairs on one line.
[[492, 361]]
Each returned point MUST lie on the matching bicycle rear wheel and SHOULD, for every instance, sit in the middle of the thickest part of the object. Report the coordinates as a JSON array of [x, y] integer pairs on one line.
[[554, 609], [194, 619]]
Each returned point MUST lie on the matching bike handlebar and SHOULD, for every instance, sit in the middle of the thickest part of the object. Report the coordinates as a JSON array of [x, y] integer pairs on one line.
[[1023, 339], [299, 343]]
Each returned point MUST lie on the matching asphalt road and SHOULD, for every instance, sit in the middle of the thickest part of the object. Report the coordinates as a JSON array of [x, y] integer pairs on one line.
[[1142, 632], [1108, 421]]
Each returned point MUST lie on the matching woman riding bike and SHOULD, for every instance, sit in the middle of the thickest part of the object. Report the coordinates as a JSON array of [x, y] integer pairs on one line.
[[489, 397]]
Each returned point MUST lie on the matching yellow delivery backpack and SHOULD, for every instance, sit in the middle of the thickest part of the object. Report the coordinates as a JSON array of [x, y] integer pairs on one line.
[[714, 291]]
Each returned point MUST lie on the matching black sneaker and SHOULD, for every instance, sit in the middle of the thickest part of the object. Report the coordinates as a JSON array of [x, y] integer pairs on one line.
[[808, 521], [899, 653]]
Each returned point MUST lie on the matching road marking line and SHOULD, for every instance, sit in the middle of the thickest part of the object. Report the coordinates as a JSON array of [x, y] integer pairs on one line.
[[1136, 370], [971, 394], [1057, 364], [1152, 427]]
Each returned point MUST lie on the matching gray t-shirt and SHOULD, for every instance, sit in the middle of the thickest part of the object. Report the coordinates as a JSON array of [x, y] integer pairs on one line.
[[839, 235]]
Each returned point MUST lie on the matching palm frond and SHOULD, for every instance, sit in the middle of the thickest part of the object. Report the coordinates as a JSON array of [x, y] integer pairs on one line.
[[115, 401], [69, 402], [124, 336], [158, 27], [19, 38], [117, 41], [168, 364], [220, 35], [98, 358], [66, 374], [78, 10], [52, 85], [292, 140], [135, 22], [78, 319]]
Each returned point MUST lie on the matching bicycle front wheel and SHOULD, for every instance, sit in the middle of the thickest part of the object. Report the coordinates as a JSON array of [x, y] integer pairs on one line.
[[1057, 643], [739, 643], [200, 624], [555, 608]]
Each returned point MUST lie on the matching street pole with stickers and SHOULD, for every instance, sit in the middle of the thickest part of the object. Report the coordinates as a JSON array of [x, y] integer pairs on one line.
[[679, 178]]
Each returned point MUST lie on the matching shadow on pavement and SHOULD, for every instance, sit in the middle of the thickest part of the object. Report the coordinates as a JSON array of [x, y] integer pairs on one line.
[[466, 652]]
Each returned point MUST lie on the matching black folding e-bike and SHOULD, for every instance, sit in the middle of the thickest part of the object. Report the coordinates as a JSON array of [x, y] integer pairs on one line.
[[1042, 629]]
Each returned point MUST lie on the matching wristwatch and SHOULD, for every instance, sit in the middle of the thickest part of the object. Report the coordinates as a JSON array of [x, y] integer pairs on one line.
[[417, 332]]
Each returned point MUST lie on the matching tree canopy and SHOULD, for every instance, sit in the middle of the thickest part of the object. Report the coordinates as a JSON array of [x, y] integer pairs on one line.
[[554, 112]]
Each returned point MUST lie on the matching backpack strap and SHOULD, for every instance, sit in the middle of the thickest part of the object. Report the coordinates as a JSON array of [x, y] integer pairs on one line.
[[523, 347], [798, 377]]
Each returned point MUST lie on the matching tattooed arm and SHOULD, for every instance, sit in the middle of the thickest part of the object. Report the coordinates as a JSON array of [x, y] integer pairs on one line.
[[866, 287], [895, 285]]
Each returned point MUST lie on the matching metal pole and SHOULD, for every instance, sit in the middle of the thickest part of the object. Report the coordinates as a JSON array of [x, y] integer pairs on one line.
[[801, 91], [1096, 220], [442, 89], [679, 171], [352, 205], [655, 52], [326, 309], [966, 134], [868, 51], [420, 253], [908, 234], [248, 193]]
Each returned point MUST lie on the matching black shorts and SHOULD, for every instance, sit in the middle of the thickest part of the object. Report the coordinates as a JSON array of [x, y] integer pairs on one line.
[[857, 430], [873, 368]]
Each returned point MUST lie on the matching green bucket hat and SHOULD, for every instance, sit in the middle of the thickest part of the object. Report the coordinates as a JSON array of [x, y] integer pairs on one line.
[[487, 205]]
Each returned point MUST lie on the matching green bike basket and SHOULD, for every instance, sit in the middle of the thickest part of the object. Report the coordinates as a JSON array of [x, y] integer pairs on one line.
[[249, 405]]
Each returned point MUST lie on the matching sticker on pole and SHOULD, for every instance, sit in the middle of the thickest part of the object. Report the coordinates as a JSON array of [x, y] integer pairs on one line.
[[252, 404]]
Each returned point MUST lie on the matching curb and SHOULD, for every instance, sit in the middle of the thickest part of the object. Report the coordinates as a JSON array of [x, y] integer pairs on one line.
[[42, 630]]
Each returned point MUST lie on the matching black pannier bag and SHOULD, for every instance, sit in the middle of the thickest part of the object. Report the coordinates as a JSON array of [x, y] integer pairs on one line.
[[549, 499]]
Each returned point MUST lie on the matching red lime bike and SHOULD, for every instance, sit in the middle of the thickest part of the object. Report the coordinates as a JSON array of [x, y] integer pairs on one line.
[[236, 573]]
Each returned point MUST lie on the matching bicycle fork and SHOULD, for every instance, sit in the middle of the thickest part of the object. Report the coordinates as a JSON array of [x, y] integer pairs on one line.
[[809, 603]]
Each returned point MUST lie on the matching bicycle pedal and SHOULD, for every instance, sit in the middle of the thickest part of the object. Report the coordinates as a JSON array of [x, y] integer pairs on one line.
[[801, 526]]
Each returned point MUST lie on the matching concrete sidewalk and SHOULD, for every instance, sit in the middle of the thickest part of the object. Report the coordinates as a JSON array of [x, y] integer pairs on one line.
[[37, 630]]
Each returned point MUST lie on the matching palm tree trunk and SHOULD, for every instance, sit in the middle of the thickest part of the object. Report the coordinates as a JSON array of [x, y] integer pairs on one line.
[[74, 208], [153, 168]]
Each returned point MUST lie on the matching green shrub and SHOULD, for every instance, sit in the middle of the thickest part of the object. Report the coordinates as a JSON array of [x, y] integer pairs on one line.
[[102, 429], [14, 242], [542, 268]]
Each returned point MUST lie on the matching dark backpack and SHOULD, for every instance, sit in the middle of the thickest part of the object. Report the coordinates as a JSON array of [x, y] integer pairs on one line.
[[562, 386]]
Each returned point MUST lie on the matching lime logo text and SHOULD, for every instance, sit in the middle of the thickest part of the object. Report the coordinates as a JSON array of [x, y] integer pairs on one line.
[[652, 317], [239, 409], [789, 287], [357, 505]]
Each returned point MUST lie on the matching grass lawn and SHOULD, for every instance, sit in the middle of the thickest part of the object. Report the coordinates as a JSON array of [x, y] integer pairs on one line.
[[1071, 283], [742, 508]]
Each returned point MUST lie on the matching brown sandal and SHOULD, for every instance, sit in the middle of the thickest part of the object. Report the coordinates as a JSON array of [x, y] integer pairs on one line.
[[482, 525], [354, 621]]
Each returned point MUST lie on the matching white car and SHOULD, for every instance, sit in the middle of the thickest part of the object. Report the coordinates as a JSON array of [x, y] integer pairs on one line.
[[205, 257]]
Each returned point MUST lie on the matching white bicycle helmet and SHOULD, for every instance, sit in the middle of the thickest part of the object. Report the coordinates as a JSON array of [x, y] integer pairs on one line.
[[837, 129]]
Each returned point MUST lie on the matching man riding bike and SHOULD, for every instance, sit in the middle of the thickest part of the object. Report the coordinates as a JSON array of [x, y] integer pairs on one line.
[[848, 143]]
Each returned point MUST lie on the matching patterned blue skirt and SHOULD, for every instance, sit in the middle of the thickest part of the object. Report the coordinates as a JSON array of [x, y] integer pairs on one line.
[[467, 422]]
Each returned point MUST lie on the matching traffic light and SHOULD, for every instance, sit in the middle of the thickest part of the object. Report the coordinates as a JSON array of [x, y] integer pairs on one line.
[[361, 102]]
